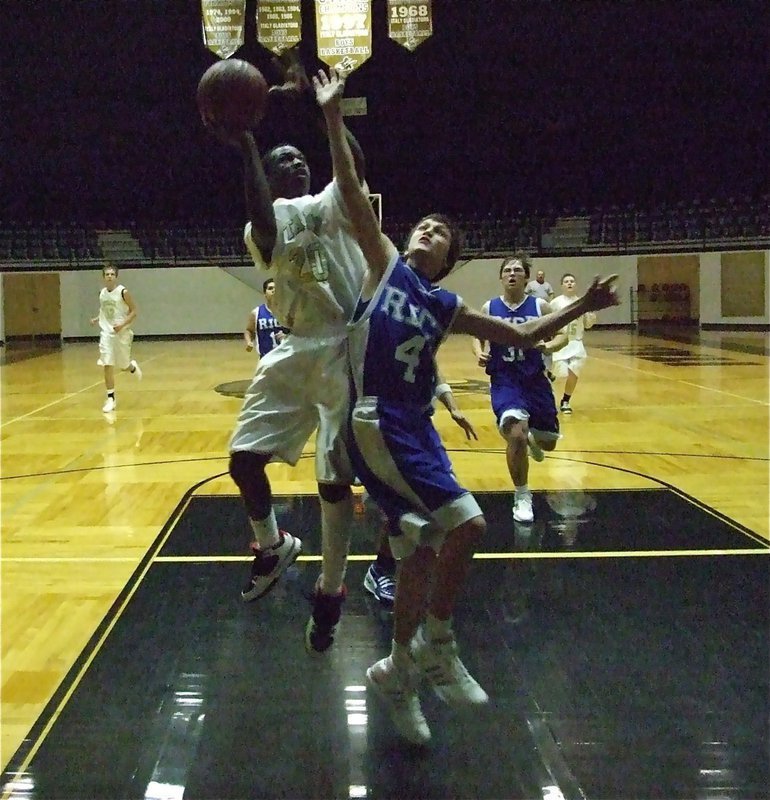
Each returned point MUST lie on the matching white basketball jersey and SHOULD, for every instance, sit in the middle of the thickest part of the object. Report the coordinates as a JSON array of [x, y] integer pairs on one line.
[[113, 309], [317, 264], [575, 330]]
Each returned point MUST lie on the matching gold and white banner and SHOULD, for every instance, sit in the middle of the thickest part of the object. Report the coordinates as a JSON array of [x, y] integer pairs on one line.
[[279, 24], [223, 25], [410, 22], [343, 33]]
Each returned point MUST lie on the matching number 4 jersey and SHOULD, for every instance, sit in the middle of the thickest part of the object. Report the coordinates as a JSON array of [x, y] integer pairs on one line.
[[394, 337]]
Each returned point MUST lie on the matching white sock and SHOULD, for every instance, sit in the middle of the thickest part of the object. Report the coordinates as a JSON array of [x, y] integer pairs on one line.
[[519, 490], [266, 531], [438, 630], [336, 524]]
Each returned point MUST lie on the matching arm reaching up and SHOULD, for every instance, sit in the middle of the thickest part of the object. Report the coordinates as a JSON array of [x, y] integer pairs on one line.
[[375, 247]]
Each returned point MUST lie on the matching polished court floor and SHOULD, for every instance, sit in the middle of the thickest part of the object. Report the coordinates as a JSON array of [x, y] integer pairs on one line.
[[624, 637]]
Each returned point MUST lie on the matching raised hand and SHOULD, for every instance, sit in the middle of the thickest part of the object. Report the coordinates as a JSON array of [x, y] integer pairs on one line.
[[601, 294], [329, 89], [292, 72]]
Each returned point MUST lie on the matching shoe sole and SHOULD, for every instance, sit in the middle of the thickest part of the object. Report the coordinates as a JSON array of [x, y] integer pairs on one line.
[[371, 587], [383, 695], [249, 597]]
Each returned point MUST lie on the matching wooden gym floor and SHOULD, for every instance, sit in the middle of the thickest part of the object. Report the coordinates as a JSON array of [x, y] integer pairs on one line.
[[623, 638]]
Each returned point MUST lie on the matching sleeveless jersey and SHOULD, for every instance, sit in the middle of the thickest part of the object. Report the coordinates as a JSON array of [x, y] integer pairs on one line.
[[317, 264], [509, 361], [266, 326], [113, 309], [394, 337], [575, 330]]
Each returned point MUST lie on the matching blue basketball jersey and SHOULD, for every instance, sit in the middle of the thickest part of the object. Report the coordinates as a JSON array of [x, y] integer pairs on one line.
[[395, 335], [507, 361], [267, 326]]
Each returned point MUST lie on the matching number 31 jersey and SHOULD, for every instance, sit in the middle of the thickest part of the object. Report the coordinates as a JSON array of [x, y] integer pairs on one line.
[[509, 361], [394, 337]]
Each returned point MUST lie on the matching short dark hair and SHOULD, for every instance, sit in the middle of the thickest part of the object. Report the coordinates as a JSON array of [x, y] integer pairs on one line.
[[566, 274], [456, 240], [519, 255], [107, 266], [268, 159], [265, 284]]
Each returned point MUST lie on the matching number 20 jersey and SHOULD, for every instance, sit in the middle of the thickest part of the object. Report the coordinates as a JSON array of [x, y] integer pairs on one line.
[[393, 339]]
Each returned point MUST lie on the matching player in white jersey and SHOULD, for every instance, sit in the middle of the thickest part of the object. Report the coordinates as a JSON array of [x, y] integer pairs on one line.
[[401, 319], [301, 386], [568, 361], [117, 311]]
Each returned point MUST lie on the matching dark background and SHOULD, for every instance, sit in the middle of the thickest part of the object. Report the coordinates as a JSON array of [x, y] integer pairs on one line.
[[511, 105]]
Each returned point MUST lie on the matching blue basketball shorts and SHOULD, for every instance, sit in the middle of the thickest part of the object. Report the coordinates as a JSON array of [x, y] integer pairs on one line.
[[398, 456], [527, 398]]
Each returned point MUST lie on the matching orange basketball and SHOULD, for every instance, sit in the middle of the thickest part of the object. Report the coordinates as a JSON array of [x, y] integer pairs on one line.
[[232, 94]]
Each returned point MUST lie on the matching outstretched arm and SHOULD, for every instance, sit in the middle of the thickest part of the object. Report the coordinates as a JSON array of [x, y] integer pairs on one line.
[[600, 295], [297, 86], [329, 90], [259, 203]]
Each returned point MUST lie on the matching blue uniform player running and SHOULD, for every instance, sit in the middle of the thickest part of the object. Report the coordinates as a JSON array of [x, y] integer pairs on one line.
[[263, 328], [434, 523], [522, 397]]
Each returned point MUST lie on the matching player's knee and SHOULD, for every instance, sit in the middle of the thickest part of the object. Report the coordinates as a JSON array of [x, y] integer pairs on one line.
[[516, 436], [548, 445], [248, 470], [334, 492]]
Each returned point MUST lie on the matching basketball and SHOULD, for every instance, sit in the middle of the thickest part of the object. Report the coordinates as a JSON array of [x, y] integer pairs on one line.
[[232, 94]]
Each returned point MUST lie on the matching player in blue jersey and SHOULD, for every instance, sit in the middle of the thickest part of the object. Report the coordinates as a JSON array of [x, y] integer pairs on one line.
[[435, 525], [262, 327], [522, 397]]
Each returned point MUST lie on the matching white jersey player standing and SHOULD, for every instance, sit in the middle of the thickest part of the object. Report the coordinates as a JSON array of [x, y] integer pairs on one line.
[[117, 312]]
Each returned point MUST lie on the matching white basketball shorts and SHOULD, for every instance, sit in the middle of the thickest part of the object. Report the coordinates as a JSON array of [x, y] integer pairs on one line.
[[300, 386]]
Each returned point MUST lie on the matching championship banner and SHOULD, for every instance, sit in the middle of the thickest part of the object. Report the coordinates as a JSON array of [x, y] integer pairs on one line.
[[279, 24], [410, 22], [223, 24], [343, 33]]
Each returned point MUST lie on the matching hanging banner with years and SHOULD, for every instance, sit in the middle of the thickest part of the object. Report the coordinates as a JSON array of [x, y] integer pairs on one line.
[[223, 24], [279, 24], [343, 33], [410, 22]]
